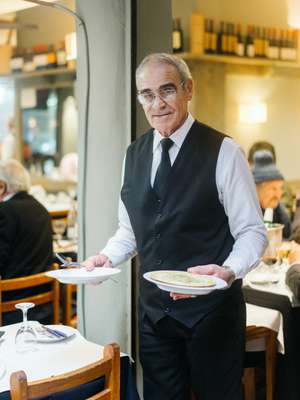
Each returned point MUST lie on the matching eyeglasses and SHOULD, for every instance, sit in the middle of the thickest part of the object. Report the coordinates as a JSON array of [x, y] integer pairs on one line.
[[167, 93]]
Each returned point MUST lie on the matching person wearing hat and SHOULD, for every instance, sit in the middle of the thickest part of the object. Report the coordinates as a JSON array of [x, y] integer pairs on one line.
[[287, 198], [269, 186]]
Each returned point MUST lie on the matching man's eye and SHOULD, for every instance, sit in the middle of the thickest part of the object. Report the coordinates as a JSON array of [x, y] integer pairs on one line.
[[167, 91], [147, 96]]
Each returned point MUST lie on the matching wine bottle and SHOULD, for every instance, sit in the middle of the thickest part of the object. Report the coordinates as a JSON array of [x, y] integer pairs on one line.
[[240, 44], [213, 38], [220, 38], [177, 36], [207, 36], [249, 48]]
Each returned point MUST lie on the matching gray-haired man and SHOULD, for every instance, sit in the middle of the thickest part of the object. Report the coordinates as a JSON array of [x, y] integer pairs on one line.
[[188, 201]]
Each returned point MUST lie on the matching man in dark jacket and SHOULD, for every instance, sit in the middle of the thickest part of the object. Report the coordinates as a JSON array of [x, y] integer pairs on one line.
[[25, 235]]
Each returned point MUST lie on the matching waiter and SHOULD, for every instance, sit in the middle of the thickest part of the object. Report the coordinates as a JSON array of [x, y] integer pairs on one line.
[[188, 202]]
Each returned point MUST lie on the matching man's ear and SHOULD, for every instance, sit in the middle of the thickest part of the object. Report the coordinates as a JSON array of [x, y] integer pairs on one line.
[[2, 189], [189, 87]]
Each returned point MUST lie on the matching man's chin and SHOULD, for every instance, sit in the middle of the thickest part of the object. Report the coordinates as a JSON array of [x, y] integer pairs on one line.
[[163, 129]]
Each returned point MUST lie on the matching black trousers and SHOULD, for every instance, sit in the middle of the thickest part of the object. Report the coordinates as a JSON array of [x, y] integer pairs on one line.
[[207, 359]]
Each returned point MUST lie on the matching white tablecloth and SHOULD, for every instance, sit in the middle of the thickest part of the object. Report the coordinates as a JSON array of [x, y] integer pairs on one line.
[[268, 318], [49, 359], [276, 273]]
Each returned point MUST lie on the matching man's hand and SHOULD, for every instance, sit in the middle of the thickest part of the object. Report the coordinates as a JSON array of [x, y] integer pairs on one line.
[[209, 269], [100, 260]]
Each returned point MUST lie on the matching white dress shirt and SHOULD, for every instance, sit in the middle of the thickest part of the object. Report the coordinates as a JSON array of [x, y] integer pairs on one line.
[[237, 194]]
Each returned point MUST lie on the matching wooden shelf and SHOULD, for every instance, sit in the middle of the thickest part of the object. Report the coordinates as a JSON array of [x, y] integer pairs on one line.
[[41, 73], [256, 62]]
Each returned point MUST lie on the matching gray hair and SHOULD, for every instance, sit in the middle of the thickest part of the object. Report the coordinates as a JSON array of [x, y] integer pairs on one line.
[[15, 176], [165, 58]]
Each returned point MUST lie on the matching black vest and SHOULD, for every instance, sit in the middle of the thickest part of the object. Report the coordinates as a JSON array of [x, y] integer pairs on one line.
[[187, 227]]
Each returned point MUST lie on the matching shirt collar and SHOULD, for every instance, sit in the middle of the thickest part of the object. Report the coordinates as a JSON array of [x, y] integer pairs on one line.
[[178, 136], [8, 196]]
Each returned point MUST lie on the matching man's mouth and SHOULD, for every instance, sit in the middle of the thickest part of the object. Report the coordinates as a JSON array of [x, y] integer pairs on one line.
[[161, 115]]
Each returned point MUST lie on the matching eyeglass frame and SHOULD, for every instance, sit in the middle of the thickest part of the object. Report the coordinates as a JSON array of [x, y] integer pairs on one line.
[[156, 94]]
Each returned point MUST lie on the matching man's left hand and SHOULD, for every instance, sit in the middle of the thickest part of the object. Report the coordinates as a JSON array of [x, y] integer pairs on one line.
[[209, 269]]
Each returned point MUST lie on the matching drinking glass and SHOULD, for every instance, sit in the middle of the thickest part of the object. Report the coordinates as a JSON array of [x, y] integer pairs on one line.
[[25, 336], [59, 226]]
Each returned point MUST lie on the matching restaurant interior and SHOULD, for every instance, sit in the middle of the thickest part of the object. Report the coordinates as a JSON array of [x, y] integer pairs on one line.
[[68, 111]]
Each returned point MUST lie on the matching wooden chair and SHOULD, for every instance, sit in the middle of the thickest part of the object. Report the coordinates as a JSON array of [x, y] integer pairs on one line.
[[108, 367], [69, 318], [9, 285], [253, 333]]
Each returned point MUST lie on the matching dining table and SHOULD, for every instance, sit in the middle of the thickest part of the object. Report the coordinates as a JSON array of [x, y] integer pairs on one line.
[[270, 303], [52, 356]]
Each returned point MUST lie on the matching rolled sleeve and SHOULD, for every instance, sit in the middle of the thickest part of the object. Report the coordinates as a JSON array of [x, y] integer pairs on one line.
[[237, 193]]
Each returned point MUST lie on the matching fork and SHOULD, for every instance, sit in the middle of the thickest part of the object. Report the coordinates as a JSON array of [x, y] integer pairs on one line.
[[66, 263]]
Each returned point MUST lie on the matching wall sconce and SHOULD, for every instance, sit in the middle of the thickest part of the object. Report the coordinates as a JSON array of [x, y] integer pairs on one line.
[[293, 11], [253, 113], [71, 46]]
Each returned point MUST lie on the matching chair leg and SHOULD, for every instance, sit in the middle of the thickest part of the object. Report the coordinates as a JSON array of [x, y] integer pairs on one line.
[[249, 384], [271, 350]]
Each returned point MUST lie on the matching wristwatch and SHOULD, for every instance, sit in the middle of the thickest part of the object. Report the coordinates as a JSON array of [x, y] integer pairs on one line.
[[232, 279]]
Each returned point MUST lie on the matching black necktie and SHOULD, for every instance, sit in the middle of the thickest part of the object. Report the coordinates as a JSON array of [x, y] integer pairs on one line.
[[164, 168]]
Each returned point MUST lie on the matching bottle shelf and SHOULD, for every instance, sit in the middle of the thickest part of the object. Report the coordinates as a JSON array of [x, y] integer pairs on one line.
[[41, 73], [256, 62]]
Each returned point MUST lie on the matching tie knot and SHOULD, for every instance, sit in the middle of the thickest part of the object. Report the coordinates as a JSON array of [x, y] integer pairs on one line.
[[166, 144]]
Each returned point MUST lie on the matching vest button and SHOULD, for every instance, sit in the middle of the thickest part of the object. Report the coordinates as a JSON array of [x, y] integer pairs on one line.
[[158, 262], [167, 310]]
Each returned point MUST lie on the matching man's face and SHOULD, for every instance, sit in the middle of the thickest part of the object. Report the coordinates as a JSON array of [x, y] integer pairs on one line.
[[165, 115], [269, 193]]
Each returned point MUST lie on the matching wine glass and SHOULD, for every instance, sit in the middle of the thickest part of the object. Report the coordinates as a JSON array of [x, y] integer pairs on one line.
[[25, 336], [59, 226]]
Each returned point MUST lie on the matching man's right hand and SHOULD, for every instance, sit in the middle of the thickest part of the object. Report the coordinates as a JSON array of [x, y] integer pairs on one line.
[[99, 260]]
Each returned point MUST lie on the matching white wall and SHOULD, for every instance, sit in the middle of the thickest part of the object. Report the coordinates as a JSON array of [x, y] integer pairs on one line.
[[53, 25], [282, 97]]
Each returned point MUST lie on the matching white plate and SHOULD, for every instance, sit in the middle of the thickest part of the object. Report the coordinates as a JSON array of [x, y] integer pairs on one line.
[[220, 284], [263, 278], [79, 276]]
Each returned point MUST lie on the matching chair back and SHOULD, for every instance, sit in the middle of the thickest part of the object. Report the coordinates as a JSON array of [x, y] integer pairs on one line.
[[68, 292], [52, 295], [108, 367]]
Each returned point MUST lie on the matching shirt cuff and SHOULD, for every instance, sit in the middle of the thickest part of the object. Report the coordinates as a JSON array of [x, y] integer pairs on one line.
[[115, 259], [236, 264]]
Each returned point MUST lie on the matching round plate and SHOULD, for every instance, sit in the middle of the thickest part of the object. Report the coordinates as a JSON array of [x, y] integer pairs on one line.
[[80, 276], [220, 284]]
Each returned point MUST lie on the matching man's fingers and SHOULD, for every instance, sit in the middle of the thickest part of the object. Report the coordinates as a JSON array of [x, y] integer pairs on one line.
[[177, 296], [203, 269]]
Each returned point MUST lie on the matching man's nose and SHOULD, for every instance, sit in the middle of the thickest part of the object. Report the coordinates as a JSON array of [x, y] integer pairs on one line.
[[158, 102]]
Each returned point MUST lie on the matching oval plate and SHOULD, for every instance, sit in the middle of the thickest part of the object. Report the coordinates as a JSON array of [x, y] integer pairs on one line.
[[182, 289]]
